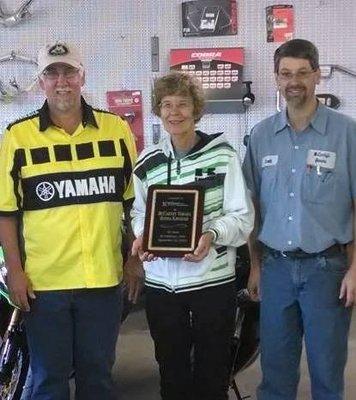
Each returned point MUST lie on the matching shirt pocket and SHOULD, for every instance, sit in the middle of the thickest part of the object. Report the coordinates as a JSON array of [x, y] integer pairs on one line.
[[269, 178], [319, 188]]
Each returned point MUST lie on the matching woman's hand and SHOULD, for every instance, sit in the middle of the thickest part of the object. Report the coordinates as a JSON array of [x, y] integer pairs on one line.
[[202, 250]]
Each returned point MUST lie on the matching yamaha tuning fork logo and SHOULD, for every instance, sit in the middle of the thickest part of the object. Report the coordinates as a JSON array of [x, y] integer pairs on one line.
[[45, 191]]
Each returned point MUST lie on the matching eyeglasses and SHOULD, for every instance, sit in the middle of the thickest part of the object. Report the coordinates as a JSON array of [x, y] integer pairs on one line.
[[54, 74], [181, 106], [300, 75]]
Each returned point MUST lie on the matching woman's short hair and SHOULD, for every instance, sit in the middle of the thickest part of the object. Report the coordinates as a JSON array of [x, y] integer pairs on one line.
[[181, 84]]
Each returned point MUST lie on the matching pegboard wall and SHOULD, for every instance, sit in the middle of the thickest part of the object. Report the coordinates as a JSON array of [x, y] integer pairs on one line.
[[115, 36]]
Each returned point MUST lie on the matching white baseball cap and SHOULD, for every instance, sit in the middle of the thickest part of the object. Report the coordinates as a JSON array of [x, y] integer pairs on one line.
[[58, 52]]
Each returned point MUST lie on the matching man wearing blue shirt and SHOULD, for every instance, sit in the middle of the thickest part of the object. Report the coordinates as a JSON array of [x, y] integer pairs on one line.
[[300, 166]]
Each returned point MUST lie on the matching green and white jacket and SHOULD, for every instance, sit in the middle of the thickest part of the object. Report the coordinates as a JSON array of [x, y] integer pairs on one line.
[[228, 209]]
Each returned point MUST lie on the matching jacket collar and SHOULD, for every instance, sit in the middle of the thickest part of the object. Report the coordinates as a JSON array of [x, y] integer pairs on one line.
[[204, 141]]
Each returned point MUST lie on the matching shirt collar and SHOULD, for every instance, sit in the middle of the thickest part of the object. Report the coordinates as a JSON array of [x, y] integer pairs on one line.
[[281, 121], [320, 118], [87, 116], [318, 121]]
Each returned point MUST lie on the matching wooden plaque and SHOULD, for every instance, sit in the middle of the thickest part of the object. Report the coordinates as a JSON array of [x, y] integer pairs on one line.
[[174, 217]]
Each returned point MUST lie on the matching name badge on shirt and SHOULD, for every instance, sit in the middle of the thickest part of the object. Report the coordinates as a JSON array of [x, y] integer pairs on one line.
[[268, 161], [321, 158]]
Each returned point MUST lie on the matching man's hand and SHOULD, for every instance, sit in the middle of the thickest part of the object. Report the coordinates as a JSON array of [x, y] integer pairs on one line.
[[133, 277], [138, 251], [348, 287], [202, 250], [20, 288], [253, 285]]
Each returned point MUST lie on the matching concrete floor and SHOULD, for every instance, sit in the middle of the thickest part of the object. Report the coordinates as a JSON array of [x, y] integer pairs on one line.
[[136, 372]]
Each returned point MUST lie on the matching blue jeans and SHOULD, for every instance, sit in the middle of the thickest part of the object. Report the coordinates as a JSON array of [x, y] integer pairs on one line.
[[73, 330], [300, 297]]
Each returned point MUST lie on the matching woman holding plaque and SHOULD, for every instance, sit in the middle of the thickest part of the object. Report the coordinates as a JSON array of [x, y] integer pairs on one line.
[[190, 297]]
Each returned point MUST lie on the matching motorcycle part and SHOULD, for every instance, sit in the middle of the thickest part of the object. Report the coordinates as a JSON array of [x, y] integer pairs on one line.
[[245, 340], [154, 54], [248, 98], [156, 133], [246, 139], [14, 360], [11, 19], [14, 366], [329, 100], [327, 70], [129, 116], [278, 101], [11, 90]]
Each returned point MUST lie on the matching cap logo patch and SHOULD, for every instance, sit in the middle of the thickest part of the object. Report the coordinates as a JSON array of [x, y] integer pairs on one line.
[[58, 50]]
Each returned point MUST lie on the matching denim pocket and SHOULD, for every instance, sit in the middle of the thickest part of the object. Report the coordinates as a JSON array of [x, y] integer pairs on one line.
[[336, 264]]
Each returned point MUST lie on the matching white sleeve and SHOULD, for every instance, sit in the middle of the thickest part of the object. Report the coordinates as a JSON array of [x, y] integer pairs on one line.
[[235, 225], [139, 206]]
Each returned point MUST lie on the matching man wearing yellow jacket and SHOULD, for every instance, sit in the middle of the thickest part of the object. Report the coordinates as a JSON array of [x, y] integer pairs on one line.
[[65, 179]]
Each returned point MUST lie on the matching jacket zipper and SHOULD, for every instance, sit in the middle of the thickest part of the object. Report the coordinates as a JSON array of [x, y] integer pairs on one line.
[[172, 277]]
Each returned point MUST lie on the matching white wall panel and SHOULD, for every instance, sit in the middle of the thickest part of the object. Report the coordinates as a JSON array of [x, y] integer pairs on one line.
[[114, 36]]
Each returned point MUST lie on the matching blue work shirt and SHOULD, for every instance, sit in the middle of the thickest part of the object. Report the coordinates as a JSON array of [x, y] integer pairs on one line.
[[304, 182]]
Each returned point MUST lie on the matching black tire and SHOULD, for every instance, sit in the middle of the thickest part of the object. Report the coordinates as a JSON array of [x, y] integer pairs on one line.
[[5, 315], [13, 387], [245, 349]]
